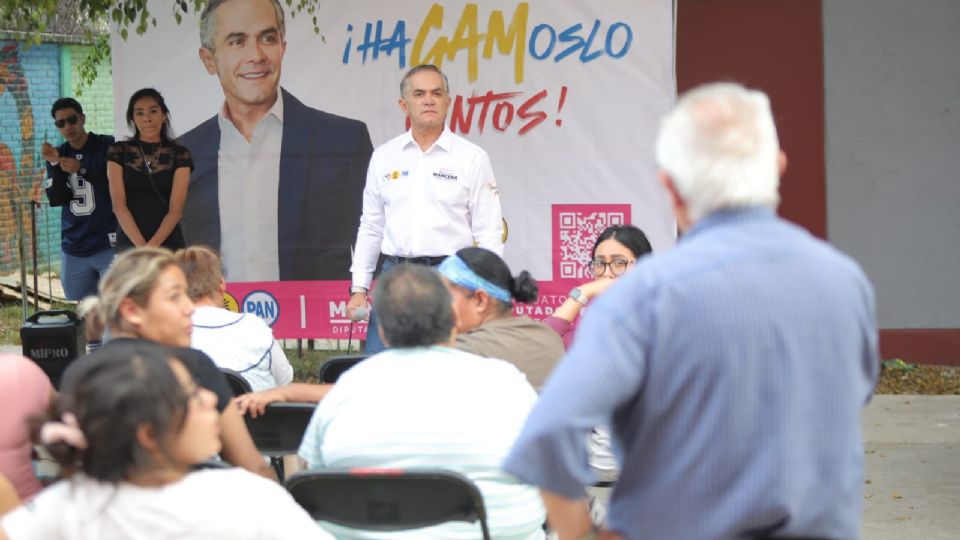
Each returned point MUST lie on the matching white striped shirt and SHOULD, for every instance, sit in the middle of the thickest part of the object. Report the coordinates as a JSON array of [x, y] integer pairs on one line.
[[431, 408]]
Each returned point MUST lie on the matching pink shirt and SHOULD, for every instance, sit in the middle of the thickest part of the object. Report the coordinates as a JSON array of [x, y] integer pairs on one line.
[[24, 391], [566, 329]]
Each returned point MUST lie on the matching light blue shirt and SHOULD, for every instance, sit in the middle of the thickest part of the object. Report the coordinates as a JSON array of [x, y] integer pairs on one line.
[[733, 370]]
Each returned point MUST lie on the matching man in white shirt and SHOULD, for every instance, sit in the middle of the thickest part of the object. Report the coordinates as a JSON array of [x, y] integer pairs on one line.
[[277, 185], [428, 194], [424, 404]]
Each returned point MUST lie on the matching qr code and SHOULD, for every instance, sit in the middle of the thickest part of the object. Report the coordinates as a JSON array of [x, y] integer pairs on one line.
[[575, 229]]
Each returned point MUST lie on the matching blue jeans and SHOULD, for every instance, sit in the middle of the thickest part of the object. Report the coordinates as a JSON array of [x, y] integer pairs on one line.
[[374, 344], [81, 275]]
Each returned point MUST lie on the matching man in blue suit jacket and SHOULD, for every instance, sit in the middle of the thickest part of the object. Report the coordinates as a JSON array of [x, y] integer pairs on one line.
[[277, 186]]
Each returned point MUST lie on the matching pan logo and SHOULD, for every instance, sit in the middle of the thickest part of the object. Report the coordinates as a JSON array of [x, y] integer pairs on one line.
[[263, 305]]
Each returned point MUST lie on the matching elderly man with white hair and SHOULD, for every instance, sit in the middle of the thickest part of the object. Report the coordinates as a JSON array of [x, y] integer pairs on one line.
[[733, 369]]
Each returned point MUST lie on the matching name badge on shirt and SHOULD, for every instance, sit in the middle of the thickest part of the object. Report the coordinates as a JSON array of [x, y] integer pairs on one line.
[[445, 174]]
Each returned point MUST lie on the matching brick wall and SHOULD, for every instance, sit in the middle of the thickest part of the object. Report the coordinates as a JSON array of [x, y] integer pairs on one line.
[[31, 79], [29, 82]]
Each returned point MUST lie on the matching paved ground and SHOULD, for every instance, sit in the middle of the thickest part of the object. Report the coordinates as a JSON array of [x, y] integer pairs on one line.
[[912, 489], [912, 467]]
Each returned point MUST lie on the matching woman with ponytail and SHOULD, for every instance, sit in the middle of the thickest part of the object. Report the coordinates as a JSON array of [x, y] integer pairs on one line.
[[127, 430], [483, 292]]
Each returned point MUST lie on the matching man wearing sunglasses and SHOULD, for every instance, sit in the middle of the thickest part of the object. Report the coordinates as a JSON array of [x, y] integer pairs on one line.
[[77, 182]]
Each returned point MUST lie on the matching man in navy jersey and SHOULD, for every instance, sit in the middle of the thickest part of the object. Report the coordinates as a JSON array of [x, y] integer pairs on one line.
[[77, 182]]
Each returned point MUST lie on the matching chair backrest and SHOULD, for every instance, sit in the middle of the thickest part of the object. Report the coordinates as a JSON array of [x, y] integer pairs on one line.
[[237, 383], [335, 366], [389, 499], [280, 429]]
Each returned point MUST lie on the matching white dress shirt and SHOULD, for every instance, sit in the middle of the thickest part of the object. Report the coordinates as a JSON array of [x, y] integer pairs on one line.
[[248, 189], [426, 203]]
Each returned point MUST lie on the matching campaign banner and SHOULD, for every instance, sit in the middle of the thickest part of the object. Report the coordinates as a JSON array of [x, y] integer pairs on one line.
[[318, 309], [298, 309], [564, 96]]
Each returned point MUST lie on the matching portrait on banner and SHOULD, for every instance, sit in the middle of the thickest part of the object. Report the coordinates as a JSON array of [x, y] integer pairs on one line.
[[277, 186]]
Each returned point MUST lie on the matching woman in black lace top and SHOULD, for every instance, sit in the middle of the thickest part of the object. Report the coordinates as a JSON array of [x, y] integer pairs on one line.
[[149, 174]]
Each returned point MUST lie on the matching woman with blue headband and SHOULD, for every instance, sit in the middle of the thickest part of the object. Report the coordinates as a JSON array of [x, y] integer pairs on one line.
[[483, 292]]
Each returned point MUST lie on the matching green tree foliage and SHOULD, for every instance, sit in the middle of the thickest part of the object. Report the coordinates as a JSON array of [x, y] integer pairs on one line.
[[97, 17]]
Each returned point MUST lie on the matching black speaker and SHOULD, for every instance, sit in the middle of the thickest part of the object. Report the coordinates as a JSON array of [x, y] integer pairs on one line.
[[53, 339]]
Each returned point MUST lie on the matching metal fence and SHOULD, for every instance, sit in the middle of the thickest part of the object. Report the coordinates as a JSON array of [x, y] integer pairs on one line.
[[36, 239]]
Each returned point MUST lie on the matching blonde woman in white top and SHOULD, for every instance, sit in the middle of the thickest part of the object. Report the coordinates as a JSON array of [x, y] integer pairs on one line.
[[238, 341]]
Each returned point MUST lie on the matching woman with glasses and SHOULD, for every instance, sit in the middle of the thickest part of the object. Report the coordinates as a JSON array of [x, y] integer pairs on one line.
[[615, 251], [149, 175]]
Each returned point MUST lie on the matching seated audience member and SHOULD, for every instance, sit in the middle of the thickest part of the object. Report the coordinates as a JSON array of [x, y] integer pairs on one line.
[[482, 287], [143, 298], [93, 326], [8, 496], [733, 368], [25, 391], [127, 430], [238, 341], [483, 290], [616, 250], [422, 403]]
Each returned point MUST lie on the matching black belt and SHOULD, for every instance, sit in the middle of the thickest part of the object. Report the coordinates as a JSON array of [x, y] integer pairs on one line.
[[425, 261]]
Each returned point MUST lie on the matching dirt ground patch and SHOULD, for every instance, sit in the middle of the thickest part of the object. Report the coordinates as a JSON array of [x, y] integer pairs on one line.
[[899, 377]]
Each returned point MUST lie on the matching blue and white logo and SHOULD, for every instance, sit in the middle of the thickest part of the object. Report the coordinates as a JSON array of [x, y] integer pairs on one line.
[[263, 305]]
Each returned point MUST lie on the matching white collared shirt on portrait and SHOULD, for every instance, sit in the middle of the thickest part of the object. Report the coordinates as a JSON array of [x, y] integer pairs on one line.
[[249, 178], [426, 203]]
